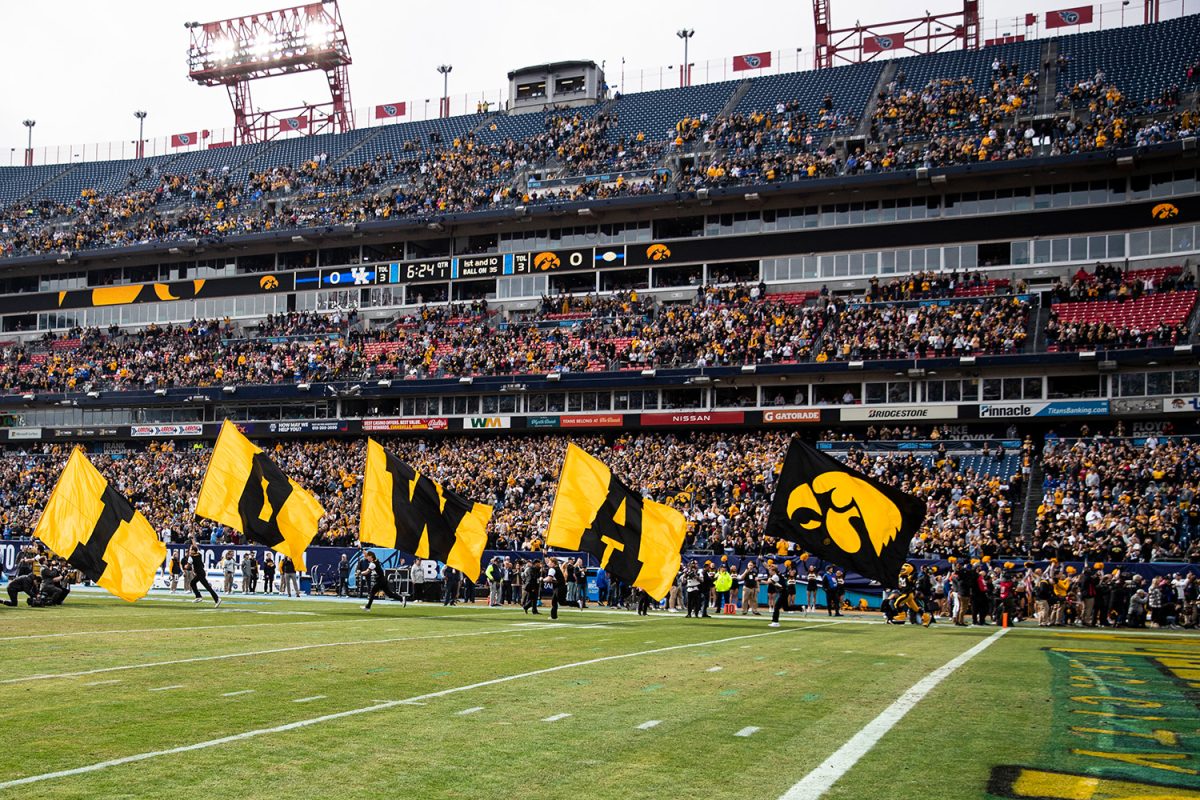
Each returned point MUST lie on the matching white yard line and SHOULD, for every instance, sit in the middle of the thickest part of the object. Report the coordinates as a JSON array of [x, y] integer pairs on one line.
[[555, 717], [103, 683], [309, 699], [173, 629], [471, 710], [648, 724], [749, 730], [820, 780], [713, 669], [239, 692], [305, 723], [249, 654], [167, 688]]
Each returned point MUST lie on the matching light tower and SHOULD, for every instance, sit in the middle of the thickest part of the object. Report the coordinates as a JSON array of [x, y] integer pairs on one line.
[[29, 123], [140, 150], [234, 52], [685, 72], [444, 105]]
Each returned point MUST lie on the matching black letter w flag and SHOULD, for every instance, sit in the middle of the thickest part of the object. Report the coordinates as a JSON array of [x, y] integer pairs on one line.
[[843, 516]]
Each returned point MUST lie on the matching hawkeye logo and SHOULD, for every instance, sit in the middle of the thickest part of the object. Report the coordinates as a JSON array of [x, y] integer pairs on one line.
[[849, 509], [546, 261], [658, 252], [1164, 211], [268, 283]]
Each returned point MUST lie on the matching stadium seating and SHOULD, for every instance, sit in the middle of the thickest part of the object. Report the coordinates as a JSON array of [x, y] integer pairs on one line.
[[1170, 308], [1123, 55]]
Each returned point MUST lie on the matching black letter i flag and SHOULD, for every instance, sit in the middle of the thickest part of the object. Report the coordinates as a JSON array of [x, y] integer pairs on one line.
[[843, 516]]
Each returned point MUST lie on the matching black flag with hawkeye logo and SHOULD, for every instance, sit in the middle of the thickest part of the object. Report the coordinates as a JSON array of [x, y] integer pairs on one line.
[[843, 516]]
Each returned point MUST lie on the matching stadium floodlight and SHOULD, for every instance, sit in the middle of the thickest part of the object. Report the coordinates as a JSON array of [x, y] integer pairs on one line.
[[585, 212], [94, 394], [649, 373], [160, 392], [1087, 355], [234, 52], [229, 389], [1183, 348], [685, 72], [384, 383], [855, 365], [749, 369], [554, 376], [304, 387], [966, 361], [466, 380], [29, 398]]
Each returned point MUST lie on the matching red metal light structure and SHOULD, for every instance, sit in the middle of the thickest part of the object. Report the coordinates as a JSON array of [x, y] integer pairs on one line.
[[234, 52], [931, 33]]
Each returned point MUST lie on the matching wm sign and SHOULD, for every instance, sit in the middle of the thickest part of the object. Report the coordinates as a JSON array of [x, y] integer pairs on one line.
[[484, 423]]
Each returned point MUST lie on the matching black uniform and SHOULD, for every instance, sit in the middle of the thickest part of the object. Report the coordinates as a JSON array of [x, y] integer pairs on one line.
[[27, 583], [200, 577], [377, 582], [782, 584], [558, 583], [533, 588], [643, 602]]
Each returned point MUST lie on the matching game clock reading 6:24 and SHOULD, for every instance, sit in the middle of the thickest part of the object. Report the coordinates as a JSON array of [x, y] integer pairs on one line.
[[438, 270]]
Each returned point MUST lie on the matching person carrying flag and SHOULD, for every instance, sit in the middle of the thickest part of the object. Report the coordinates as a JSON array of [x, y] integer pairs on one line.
[[200, 576], [376, 581], [780, 580], [558, 585]]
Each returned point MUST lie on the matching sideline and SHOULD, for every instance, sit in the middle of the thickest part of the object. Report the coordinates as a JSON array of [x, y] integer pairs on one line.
[[821, 779], [304, 723]]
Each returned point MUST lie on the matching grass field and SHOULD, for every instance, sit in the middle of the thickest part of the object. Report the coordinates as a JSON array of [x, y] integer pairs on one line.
[[271, 698]]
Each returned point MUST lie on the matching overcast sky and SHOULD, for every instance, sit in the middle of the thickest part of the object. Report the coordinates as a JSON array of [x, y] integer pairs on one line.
[[81, 67]]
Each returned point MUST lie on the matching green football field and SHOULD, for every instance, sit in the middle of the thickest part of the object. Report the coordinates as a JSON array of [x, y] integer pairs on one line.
[[281, 699]]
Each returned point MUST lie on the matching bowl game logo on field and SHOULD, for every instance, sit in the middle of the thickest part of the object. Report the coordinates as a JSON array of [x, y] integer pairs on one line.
[[1165, 211]]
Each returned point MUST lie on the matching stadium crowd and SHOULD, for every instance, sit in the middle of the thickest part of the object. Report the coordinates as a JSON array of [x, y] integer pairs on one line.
[[947, 121], [881, 331]]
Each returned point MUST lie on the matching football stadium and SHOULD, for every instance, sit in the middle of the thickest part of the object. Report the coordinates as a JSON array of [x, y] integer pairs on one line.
[[818, 422]]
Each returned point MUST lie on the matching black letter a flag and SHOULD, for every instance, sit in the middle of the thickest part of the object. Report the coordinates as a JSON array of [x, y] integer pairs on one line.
[[637, 540], [405, 510], [99, 533], [842, 516], [246, 491]]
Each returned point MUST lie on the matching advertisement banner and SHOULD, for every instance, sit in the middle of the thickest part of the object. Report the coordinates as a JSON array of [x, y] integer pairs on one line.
[[1052, 408], [487, 423], [182, 429], [898, 413], [384, 424], [793, 416], [695, 418], [1172, 405], [24, 434], [310, 426], [542, 422], [591, 421]]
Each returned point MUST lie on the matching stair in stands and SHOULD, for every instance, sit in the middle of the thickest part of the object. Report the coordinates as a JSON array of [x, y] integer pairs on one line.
[[735, 98], [1048, 77], [885, 77], [28, 196], [344, 157], [1033, 498]]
